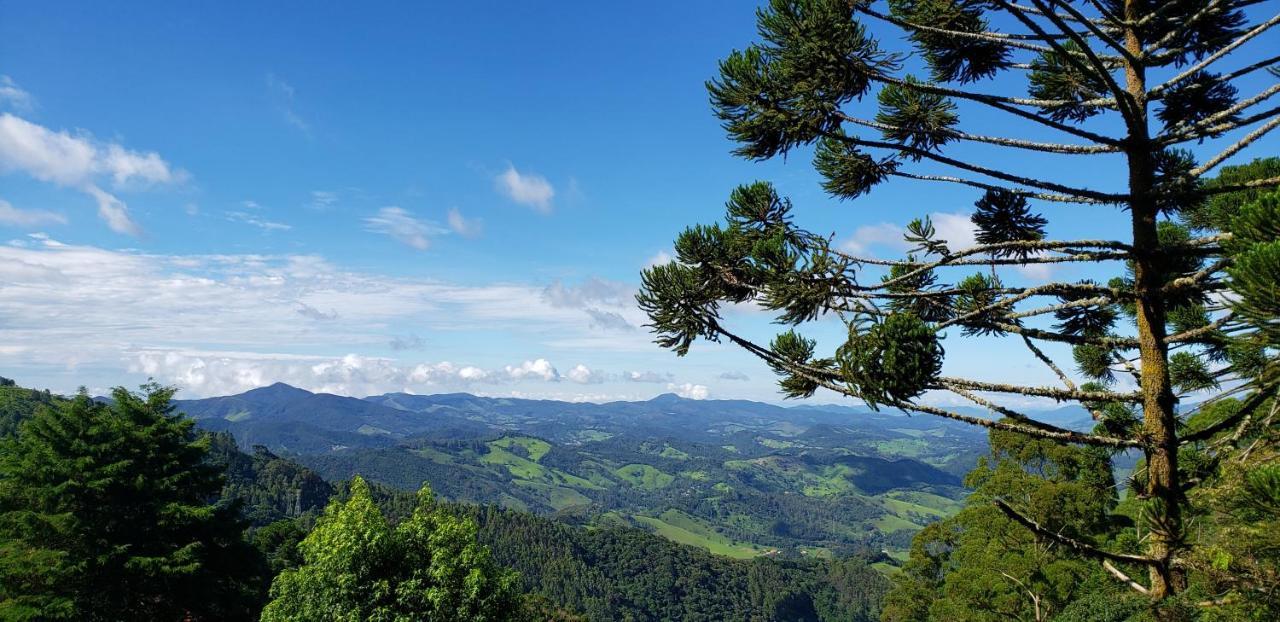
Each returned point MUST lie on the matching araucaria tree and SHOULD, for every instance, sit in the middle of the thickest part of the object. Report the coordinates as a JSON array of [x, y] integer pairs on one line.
[[1128, 87]]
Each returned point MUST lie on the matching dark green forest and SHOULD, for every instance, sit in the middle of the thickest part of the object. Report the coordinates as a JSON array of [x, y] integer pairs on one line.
[[247, 520]]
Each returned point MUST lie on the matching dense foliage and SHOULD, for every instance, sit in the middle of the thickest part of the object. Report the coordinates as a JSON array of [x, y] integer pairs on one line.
[[408, 553], [357, 567], [106, 514]]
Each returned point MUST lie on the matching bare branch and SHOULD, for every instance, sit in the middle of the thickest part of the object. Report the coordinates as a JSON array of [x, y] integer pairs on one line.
[[1122, 99], [996, 140], [1124, 343], [982, 170], [831, 382], [1056, 198], [1102, 35], [1011, 40], [1223, 51], [1201, 132], [1050, 364], [1205, 127], [1269, 182], [1007, 412], [1008, 105], [1117, 573], [1057, 394], [1234, 149], [1082, 548]]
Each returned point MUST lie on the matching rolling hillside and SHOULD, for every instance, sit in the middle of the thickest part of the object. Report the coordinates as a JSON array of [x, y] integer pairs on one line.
[[735, 477]]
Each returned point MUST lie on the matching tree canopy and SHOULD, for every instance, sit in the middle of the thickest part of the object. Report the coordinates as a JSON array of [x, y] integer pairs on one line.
[[1134, 84], [106, 513], [357, 567]]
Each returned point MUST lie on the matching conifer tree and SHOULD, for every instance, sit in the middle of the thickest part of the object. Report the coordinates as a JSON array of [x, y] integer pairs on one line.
[[1130, 84], [106, 514]]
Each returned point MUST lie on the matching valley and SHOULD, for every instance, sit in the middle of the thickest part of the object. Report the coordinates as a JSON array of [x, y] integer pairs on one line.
[[737, 478]]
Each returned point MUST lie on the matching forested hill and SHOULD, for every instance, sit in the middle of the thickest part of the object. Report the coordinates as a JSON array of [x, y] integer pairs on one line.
[[607, 572], [738, 478]]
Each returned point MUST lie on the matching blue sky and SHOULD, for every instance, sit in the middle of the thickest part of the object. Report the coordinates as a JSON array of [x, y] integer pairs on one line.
[[403, 197]]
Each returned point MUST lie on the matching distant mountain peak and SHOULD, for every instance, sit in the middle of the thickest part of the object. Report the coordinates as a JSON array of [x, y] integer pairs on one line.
[[667, 398], [278, 389]]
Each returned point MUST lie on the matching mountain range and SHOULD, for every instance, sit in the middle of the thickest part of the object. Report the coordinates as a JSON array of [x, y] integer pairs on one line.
[[737, 477]]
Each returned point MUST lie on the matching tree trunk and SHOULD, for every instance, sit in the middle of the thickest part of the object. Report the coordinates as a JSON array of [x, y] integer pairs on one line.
[[1159, 419]]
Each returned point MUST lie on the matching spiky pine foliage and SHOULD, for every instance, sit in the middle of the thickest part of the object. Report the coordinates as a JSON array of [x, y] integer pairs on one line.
[[892, 361], [787, 90], [918, 289], [1173, 179], [1255, 250], [1002, 216], [952, 58], [1187, 39], [848, 171], [1094, 320], [914, 118], [1196, 98], [975, 294], [1056, 78], [923, 238], [1094, 362]]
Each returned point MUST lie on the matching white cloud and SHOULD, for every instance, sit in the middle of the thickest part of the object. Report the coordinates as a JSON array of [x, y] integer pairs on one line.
[[648, 376], [866, 237], [593, 291], [734, 375], [283, 94], [582, 374], [250, 219], [957, 229], [10, 215], [245, 302], [659, 259], [204, 373], [407, 342], [607, 304], [526, 189], [322, 200], [690, 391], [541, 368], [14, 96], [465, 227], [78, 161], [402, 226]]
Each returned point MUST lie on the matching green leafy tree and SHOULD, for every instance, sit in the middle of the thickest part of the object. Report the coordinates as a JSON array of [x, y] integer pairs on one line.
[[106, 514], [981, 565], [357, 567], [1130, 83]]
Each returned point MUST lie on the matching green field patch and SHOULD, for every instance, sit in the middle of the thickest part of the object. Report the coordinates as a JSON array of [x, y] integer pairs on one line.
[[907, 502], [730, 448], [773, 443], [902, 447], [533, 447], [644, 476], [890, 524], [684, 529], [673, 453], [558, 497], [518, 467], [243, 415], [588, 436], [697, 476], [369, 430], [722, 487]]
